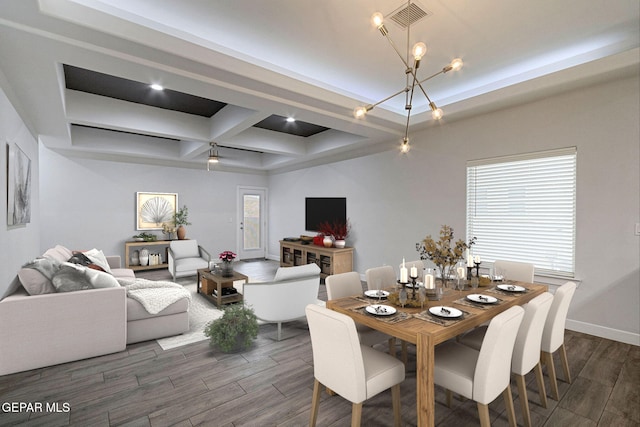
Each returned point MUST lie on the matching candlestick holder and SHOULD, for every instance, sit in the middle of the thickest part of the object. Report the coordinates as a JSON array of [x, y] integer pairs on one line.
[[414, 285], [477, 267], [469, 272]]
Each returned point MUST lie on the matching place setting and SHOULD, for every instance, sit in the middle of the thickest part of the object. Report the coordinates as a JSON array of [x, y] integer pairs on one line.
[[508, 287], [383, 312], [478, 301], [443, 315]]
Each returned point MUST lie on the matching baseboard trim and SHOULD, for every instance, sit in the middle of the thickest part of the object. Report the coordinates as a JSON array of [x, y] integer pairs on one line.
[[604, 332]]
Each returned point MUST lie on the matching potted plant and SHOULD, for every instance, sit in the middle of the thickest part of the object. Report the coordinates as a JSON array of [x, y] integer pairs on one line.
[[180, 219], [339, 230], [227, 258], [235, 330]]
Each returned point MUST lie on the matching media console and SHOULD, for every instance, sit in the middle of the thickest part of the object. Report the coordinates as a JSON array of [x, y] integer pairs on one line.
[[330, 260]]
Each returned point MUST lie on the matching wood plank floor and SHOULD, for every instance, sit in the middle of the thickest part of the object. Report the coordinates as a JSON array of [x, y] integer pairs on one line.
[[271, 385]]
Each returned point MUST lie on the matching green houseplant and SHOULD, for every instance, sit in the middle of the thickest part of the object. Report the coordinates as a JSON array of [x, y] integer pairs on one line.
[[180, 219], [235, 330]]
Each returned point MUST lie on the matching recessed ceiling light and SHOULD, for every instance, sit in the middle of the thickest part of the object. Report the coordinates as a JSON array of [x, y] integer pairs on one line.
[[156, 86], [290, 120]]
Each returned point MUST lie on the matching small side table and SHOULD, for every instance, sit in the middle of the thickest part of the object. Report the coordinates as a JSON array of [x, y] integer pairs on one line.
[[208, 282]]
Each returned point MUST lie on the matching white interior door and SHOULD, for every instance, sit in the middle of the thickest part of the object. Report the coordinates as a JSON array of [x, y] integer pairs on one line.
[[252, 222]]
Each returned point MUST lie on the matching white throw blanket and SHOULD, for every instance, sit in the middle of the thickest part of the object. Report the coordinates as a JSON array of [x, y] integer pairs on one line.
[[154, 296]]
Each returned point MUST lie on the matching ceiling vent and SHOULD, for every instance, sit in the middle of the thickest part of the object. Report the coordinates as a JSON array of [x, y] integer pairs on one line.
[[406, 16]]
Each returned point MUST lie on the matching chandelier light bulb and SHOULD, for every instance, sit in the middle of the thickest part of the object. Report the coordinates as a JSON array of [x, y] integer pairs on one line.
[[360, 112], [377, 19], [456, 64], [419, 49], [437, 114], [405, 147]]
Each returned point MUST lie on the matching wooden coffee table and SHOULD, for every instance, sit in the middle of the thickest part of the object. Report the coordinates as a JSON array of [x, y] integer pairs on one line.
[[208, 282]]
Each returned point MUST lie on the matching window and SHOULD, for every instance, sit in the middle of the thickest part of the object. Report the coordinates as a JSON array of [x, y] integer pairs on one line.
[[523, 208]]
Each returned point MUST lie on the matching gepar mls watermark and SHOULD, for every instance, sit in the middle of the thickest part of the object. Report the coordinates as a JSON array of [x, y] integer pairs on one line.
[[16, 407]]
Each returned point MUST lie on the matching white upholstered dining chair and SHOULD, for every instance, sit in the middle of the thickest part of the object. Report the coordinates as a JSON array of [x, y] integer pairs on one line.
[[380, 277], [354, 371], [481, 375], [553, 335], [514, 270], [526, 351], [348, 284]]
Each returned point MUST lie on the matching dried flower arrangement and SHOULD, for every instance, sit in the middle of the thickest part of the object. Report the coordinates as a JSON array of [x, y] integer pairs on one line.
[[441, 253]]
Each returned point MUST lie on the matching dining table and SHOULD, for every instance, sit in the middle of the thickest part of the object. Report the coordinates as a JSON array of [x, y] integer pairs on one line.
[[415, 324]]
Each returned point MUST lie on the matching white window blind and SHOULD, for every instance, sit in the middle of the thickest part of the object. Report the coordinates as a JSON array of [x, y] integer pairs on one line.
[[522, 208]]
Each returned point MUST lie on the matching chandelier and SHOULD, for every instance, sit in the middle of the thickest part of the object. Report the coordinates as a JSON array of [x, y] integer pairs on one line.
[[414, 56]]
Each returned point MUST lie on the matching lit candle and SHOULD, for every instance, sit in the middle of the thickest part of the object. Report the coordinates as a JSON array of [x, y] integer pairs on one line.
[[403, 273], [477, 259], [429, 281], [469, 259], [414, 271]]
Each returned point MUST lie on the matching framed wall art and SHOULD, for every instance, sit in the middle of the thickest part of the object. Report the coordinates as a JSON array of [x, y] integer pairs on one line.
[[18, 186], [154, 209]]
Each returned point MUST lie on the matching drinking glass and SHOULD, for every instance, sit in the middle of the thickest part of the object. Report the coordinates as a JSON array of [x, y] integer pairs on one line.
[[402, 297], [422, 295]]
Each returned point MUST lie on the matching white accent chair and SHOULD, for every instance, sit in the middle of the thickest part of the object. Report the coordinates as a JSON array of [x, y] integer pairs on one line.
[[186, 257], [285, 298], [553, 335], [380, 277], [514, 270], [348, 284], [481, 375], [526, 352], [354, 371]]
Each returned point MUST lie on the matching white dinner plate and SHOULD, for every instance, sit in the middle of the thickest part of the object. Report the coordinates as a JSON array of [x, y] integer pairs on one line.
[[511, 288], [376, 294], [482, 299], [448, 312], [381, 310]]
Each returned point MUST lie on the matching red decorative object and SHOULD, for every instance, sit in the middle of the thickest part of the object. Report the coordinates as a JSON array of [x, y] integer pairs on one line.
[[317, 240]]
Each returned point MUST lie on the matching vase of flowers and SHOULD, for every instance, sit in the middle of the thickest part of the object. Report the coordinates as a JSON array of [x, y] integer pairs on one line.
[[338, 231], [442, 254], [227, 258]]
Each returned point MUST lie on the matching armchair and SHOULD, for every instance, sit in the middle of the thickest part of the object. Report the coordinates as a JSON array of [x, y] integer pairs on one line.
[[186, 257]]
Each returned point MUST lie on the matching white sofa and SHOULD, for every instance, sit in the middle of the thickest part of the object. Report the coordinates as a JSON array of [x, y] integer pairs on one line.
[[286, 297], [38, 330]]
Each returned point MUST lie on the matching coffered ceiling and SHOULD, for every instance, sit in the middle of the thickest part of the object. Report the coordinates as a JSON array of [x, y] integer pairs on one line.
[[78, 72]]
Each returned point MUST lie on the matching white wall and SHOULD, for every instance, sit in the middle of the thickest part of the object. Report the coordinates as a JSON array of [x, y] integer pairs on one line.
[[18, 244], [394, 201], [92, 203]]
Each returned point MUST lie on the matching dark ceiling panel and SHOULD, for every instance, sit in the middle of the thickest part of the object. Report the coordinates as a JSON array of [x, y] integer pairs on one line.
[[280, 124], [128, 90]]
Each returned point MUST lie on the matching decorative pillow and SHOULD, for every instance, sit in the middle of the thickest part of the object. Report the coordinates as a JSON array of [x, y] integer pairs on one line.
[[287, 273], [80, 259], [97, 257], [71, 278], [59, 253], [100, 279], [35, 282]]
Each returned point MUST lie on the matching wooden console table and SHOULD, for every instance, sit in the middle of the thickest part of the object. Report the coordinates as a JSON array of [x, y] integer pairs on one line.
[[330, 260], [128, 249]]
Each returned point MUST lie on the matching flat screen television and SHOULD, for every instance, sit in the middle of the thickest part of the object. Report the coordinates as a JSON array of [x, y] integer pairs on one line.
[[324, 209]]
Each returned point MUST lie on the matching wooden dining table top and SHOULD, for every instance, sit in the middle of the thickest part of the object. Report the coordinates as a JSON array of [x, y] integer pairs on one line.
[[407, 330]]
